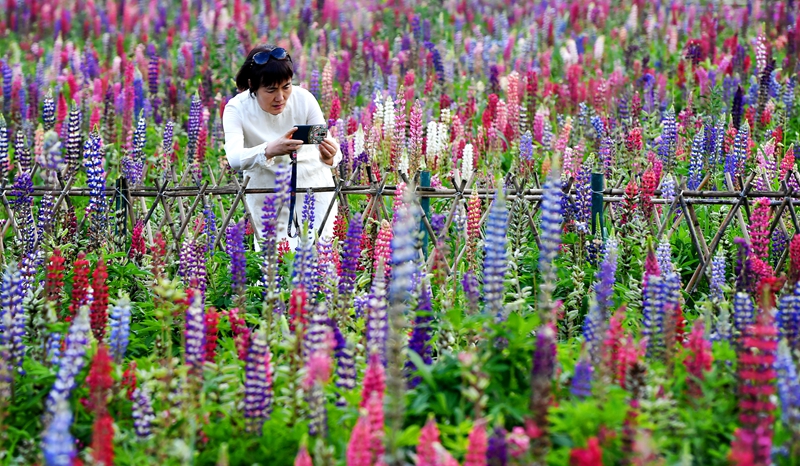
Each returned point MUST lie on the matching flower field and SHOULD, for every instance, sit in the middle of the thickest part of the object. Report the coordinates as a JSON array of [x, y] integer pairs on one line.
[[566, 235]]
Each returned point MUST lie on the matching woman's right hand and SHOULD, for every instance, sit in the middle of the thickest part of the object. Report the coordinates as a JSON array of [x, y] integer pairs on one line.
[[283, 145]]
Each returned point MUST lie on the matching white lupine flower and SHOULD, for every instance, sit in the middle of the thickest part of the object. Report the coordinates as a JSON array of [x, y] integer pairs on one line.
[[402, 165], [632, 22], [467, 161], [359, 141], [388, 118], [443, 134], [378, 108], [433, 139], [445, 116], [572, 47], [599, 47]]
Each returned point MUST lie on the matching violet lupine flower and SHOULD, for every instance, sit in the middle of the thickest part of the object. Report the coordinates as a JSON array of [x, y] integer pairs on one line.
[[257, 382], [495, 262], [743, 311], [96, 180], [169, 131], [550, 238], [235, 248], [526, 147], [420, 335], [305, 271], [45, 215], [351, 251], [788, 317], [377, 323], [315, 338], [740, 149], [497, 451], [737, 108], [52, 153], [22, 190], [71, 362], [788, 96], [7, 78], [788, 385], [133, 164], [22, 153], [696, 163], [195, 334], [58, 445], [594, 325], [49, 111], [308, 211], [779, 240], [210, 225], [73, 145], [653, 305], [743, 269], [718, 276], [192, 265], [142, 412], [345, 363], [581, 386], [13, 318], [664, 257], [3, 149], [193, 128], [583, 199], [607, 154], [120, 328], [314, 85], [152, 72]]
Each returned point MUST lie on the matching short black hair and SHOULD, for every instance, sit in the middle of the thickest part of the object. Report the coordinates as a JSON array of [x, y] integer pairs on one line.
[[270, 73]]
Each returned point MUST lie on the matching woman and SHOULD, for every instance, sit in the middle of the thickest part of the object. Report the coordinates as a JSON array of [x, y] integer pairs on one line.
[[259, 122]]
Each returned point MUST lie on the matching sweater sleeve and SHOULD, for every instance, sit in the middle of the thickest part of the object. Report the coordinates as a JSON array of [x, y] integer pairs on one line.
[[239, 157], [314, 116]]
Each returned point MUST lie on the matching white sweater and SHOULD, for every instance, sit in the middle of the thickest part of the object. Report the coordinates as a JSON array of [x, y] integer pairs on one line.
[[248, 130]]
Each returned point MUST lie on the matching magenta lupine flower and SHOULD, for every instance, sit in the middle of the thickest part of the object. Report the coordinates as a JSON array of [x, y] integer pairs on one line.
[[195, 334]]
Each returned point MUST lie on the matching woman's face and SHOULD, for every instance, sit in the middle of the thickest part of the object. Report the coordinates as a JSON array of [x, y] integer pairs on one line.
[[273, 98]]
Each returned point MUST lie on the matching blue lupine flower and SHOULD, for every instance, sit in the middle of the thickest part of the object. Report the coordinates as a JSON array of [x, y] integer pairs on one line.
[[345, 363], [404, 253], [3, 149], [120, 328], [308, 211], [195, 334], [49, 111], [788, 317], [526, 147], [550, 235], [788, 96], [495, 261], [73, 137], [305, 271], [314, 86], [497, 451], [193, 128], [22, 152], [599, 128], [13, 318], [96, 180], [696, 163], [234, 245], [583, 198], [257, 387], [58, 445], [743, 311], [142, 412], [71, 362], [377, 323], [7, 77], [581, 385], [788, 385], [210, 225], [604, 291], [664, 256], [718, 276], [351, 251], [607, 154], [420, 335]]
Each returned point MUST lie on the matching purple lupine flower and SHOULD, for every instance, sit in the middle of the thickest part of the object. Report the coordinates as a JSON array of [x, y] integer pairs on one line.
[[22, 152], [743, 269], [404, 254], [737, 108], [583, 198], [49, 111], [788, 385], [316, 337], [138, 94], [606, 154], [308, 211], [437, 61], [7, 78], [142, 412], [438, 222], [743, 311], [788, 96], [45, 215], [788, 317], [653, 304], [420, 335], [497, 451], [210, 225], [169, 130], [526, 147], [71, 362], [550, 237], [351, 251], [345, 363], [257, 382], [718, 276], [22, 190], [779, 240], [195, 334], [472, 290], [664, 257], [696, 163], [3, 149], [120, 328], [96, 180], [495, 261], [314, 86], [594, 325], [740, 148], [581, 386], [13, 318], [133, 164], [193, 128], [305, 268], [598, 127], [52, 153], [234, 245], [152, 72], [377, 324], [58, 445], [669, 134], [73, 145]]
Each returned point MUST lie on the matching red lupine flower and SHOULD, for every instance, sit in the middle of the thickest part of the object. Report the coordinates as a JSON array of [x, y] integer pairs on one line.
[[80, 285], [54, 281], [647, 192], [212, 323], [99, 380], [137, 240], [592, 455], [794, 259], [129, 379], [650, 265], [629, 202], [241, 334], [759, 228], [99, 307], [699, 359], [159, 253], [298, 313], [103, 440]]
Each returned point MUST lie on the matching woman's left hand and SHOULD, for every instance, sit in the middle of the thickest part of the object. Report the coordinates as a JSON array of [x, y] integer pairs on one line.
[[327, 150]]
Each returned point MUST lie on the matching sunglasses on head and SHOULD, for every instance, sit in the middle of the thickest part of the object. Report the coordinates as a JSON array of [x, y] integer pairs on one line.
[[278, 53]]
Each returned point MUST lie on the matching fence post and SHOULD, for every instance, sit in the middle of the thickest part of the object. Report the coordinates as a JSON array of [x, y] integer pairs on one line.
[[425, 182], [597, 204]]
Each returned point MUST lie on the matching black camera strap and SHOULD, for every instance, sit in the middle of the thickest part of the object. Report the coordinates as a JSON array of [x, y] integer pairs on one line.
[[293, 199]]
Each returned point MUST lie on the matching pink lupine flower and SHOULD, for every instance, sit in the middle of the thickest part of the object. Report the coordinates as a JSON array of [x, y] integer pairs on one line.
[[428, 437], [383, 247], [376, 425], [759, 229], [303, 458], [517, 441], [476, 449], [358, 451], [374, 380]]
